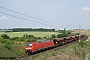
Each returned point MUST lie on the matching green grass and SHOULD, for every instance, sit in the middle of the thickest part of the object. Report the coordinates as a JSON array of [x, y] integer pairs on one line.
[[16, 50], [37, 34]]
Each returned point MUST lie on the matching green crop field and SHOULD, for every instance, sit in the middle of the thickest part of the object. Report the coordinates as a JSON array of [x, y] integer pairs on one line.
[[37, 34], [87, 32]]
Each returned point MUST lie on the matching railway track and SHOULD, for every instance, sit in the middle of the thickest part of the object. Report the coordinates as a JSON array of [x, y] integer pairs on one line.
[[25, 57]]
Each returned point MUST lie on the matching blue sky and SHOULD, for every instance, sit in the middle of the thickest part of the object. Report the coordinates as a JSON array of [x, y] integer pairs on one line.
[[67, 14]]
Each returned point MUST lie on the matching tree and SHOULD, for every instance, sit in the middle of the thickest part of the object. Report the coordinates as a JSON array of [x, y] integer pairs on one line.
[[22, 38], [5, 36], [53, 36]]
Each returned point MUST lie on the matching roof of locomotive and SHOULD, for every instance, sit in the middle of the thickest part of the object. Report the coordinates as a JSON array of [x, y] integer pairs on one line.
[[58, 39], [45, 40], [39, 41]]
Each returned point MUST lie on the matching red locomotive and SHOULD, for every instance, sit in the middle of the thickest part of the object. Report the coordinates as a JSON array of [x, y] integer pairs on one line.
[[34, 47]]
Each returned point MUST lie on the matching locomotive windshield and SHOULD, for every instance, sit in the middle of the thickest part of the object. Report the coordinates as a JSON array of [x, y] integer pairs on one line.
[[29, 45]]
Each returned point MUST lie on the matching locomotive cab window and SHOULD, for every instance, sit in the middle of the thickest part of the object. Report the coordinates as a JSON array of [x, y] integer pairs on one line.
[[29, 45], [34, 45]]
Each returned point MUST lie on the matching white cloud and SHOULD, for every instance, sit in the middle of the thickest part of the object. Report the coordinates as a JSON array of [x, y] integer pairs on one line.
[[3, 18], [86, 8]]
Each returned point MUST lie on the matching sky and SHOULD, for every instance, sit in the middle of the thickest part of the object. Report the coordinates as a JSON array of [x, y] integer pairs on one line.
[[56, 14]]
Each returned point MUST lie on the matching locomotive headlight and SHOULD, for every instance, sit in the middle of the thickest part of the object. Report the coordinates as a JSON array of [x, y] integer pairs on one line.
[[26, 48], [29, 48]]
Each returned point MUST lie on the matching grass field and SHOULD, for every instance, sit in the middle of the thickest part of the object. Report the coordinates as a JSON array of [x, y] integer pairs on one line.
[[16, 50], [37, 34], [82, 31]]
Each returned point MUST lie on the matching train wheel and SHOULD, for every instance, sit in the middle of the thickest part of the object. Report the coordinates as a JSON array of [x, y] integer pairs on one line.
[[42, 50], [38, 51], [35, 52], [29, 53], [48, 48]]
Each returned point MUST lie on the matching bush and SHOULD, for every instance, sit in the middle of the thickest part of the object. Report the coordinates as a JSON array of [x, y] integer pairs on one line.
[[22, 38], [27, 40], [87, 57], [53, 36], [77, 33], [15, 38], [39, 37], [5, 36], [7, 44], [1, 40], [62, 35], [82, 44]]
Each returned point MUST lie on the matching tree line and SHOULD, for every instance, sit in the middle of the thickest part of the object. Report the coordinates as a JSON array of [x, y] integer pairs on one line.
[[28, 29]]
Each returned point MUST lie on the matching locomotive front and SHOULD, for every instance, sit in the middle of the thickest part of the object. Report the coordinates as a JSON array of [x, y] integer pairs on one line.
[[29, 48]]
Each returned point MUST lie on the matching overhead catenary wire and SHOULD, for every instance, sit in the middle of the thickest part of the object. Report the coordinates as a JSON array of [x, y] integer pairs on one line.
[[28, 19], [50, 23], [28, 15], [33, 17]]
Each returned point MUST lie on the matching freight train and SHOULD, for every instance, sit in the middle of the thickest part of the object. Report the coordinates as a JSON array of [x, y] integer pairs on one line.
[[34, 47]]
